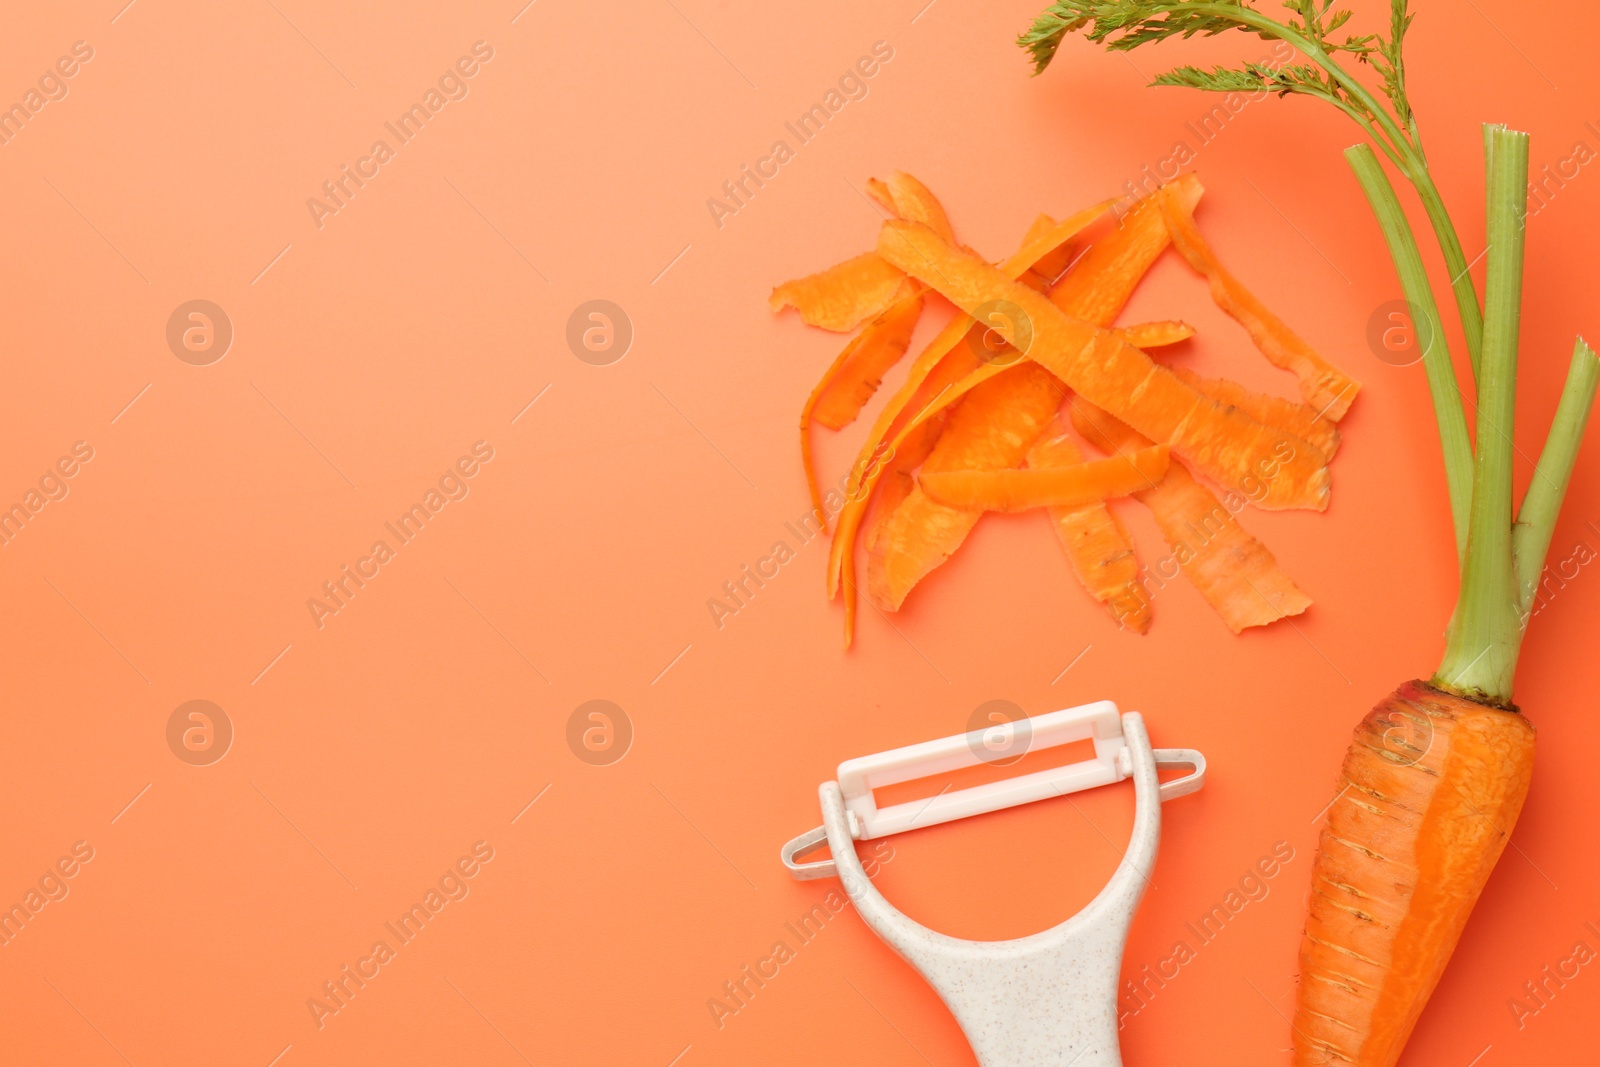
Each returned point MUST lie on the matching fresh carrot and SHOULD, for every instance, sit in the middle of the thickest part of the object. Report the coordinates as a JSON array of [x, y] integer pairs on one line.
[[1437, 772], [843, 296], [1095, 291], [1224, 442], [1061, 487], [1429, 791], [1325, 387], [1234, 572], [1096, 543]]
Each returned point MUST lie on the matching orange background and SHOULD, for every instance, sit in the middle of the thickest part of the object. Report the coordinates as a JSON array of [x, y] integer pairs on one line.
[[373, 752]]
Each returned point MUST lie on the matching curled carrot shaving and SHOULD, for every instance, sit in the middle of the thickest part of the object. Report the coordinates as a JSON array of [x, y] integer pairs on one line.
[[1303, 422], [1155, 334], [1062, 487], [865, 360], [1277, 469], [927, 367], [1234, 572], [1325, 387], [1095, 290], [1051, 265], [843, 296], [854, 376], [921, 533], [1095, 542], [909, 199]]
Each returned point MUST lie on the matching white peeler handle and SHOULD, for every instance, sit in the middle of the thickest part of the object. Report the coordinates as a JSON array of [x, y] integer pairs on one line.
[[1046, 999]]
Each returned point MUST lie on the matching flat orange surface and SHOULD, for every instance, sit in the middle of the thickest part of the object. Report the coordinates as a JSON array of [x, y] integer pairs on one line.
[[403, 342]]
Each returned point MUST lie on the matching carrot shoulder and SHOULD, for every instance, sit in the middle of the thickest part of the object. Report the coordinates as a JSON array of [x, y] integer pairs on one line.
[[1325, 387], [1279, 470], [1234, 572], [1095, 543], [1061, 486]]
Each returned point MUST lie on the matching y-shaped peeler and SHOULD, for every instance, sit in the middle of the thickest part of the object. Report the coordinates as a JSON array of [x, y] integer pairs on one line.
[[1051, 997]]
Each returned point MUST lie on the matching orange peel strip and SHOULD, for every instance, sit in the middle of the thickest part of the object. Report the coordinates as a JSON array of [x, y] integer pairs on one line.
[[1224, 442], [1235, 573], [1327, 389], [1095, 542], [841, 556], [1064, 486], [928, 533], [843, 296], [1317, 430]]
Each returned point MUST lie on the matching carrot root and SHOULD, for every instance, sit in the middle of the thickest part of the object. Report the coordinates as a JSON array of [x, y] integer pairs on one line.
[[1431, 788]]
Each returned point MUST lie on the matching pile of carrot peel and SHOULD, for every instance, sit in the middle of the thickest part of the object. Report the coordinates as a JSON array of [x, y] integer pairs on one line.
[[997, 411]]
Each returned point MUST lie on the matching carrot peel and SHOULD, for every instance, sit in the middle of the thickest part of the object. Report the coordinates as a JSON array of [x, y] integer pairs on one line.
[[1325, 387], [1063, 486]]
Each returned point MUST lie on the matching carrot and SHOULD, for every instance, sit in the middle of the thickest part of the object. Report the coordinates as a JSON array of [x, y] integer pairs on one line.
[[1437, 773], [1062, 487], [1430, 788], [1224, 442], [1095, 543], [1286, 415], [1233, 571], [1155, 334], [843, 296], [854, 376], [1095, 291], [1325, 387], [946, 358]]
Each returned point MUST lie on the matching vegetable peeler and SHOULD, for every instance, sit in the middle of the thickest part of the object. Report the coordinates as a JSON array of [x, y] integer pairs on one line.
[[1050, 997]]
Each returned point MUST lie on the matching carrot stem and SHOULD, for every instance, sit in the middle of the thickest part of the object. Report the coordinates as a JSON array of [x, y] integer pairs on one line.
[[1537, 518], [1485, 632], [1428, 327]]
